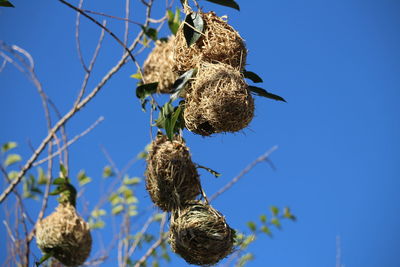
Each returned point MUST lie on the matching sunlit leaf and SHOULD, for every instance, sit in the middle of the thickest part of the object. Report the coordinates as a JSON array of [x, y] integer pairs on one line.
[[42, 179], [193, 28], [63, 171], [276, 222], [274, 210], [174, 20], [266, 230], [244, 259], [263, 218], [107, 172], [252, 226], [136, 76], [8, 146], [131, 181], [11, 159], [131, 200], [99, 224], [117, 209], [83, 178], [98, 212], [158, 217]]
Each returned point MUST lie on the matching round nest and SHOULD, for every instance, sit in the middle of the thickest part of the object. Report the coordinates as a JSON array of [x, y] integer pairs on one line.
[[218, 101], [219, 43], [200, 234], [158, 66], [171, 176], [65, 234]]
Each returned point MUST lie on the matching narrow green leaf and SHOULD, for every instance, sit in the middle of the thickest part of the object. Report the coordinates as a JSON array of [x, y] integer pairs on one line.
[[252, 76], [11, 159], [117, 209], [83, 178], [274, 210], [262, 92], [145, 90], [150, 32], [142, 155], [193, 28], [107, 172], [98, 212], [174, 20], [6, 3], [216, 174], [97, 225], [59, 181], [44, 258], [179, 86], [132, 213], [228, 3], [244, 259], [131, 181], [252, 226], [63, 171], [42, 179], [131, 200], [8, 146], [247, 241], [158, 217], [136, 76], [115, 199]]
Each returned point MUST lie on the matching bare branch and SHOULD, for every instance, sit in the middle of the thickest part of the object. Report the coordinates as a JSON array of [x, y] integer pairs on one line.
[[78, 43], [110, 16]]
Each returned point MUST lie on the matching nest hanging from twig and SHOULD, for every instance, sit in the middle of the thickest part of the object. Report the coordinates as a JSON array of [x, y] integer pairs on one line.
[[218, 101], [200, 234], [218, 43], [66, 235], [158, 66], [171, 176]]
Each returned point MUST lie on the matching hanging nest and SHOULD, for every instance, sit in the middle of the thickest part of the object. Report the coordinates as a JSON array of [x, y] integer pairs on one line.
[[218, 43], [171, 176], [158, 66], [66, 235], [200, 234], [218, 101]]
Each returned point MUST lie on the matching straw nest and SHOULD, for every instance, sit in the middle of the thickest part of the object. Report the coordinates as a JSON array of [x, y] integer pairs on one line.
[[66, 235], [171, 176], [218, 101], [200, 234], [158, 66], [218, 43]]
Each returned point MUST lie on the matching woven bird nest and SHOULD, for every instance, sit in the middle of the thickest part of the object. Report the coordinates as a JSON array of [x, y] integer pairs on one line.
[[65, 234], [200, 234], [218, 43], [158, 66], [171, 176], [218, 101]]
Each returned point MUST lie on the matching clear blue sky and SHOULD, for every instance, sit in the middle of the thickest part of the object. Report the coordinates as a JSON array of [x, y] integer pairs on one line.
[[337, 63]]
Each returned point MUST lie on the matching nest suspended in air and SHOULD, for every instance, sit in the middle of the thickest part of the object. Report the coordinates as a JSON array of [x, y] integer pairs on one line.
[[218, 101], [218, 43], [171, 176], [66, 235], [158, 66], [200, 234]]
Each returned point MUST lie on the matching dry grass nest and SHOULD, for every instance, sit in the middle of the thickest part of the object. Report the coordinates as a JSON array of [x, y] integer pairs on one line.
[[200, 234], [158, 66], [171, 176], [219, 43], [217, 101], [65, 234]]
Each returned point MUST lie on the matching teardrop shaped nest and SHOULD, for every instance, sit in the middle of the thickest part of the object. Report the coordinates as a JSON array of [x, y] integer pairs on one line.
[[218, 100], [65, 234], [200, 234], [171, 176], [218, 43], [158, 66]]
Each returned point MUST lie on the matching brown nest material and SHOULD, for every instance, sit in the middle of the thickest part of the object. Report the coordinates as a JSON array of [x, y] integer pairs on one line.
[[200, 234], [171, 176], [66, 235], [218, 43], [158, 66], [218, 101]]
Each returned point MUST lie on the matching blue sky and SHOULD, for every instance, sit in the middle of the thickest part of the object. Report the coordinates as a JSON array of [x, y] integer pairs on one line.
[[337, 63]]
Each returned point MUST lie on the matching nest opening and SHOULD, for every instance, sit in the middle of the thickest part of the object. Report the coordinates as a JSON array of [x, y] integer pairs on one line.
[[218, 43], [171, 176], [65, 234], [158, 66], [200, 234], [218, 101]]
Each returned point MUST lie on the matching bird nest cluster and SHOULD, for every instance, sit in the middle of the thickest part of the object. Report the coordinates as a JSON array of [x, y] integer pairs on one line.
[[158, 66], [65, 235], [218, 100], [200, 234], [171, 176], [219, 43]]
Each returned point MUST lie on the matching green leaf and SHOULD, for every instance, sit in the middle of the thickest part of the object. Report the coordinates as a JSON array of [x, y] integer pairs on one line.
[[228, 3], [150, 32], [44, 258], [252, 226], [131, 181], [132, 212], [158, 217], [59, 181], [107, 172], [263, 218], [274, 210], [131, 200], [97, 225], [12, 175], [6, 3], [247, 241], [179, 86], [11, 159], [252, 76], [262, 92], [115, 199], [216, 174], [174, 20], [165, 112], [142, 155], [63, 171], [42, 179], [170, 126], [276, 222], [287, 214], [8, 146], [193, 28], [244, 259], [98, 212], [137, 75], [266, 230], [117, 209], [145, 90], [83, 178]]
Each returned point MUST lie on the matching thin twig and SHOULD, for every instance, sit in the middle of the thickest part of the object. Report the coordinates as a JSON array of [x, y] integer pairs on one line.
[[78, 43], [127, 6], [110, 16], [262, 158]]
